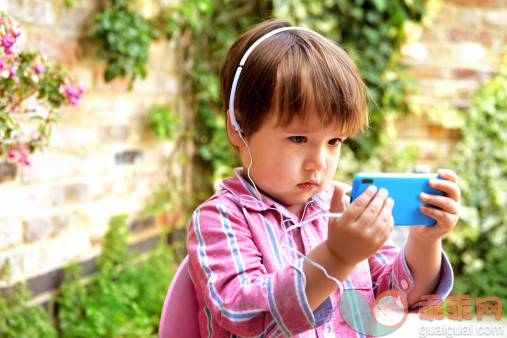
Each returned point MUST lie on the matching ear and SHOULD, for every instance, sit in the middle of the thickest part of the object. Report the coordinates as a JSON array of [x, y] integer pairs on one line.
[[231, 132]]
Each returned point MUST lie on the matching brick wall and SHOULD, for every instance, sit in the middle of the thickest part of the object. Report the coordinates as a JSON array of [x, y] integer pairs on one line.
[[461, 49], [102, 160]]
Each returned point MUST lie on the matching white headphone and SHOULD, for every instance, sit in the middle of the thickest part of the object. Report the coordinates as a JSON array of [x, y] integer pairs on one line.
[[235, 123]]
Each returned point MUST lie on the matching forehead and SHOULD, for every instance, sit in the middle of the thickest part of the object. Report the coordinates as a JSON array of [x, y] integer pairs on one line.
[[307, 123]]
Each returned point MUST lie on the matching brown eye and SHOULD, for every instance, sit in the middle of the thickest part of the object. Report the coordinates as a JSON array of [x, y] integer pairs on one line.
[[335, 141], [298, 139]]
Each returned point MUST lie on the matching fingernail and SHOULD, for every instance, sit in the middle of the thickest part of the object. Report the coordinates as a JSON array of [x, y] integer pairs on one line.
[[371, 189]]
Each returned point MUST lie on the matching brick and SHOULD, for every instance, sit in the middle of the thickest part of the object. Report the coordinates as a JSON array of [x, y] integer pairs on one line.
[[87, 49], [23, 201], [471, 74], [72, 136], [426, 71], [470, 18], [97, 105], [471, 52], [117, 84], [124, 107], [38, 12], [34, 258], [157, 83], [11, 233], [43, 13], [39, 228], [7, 171], [66, 247], [115, 182], [93, 162], [47, 166], [440, 51], [432, 34], [57, 47], [446, 14], [462, 35], [479, 3], [144, 180], [65, 194], [76, 18], [496, 19], [118, 133], [128, 157]]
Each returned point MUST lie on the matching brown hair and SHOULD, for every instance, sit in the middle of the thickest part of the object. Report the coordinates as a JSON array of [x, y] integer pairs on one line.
[[294, 72]]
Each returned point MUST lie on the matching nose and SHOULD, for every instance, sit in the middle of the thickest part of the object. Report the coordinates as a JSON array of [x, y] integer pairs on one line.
[[316, 159]]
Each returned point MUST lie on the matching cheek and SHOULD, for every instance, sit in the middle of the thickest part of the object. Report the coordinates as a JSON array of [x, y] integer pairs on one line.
[[333, 163]]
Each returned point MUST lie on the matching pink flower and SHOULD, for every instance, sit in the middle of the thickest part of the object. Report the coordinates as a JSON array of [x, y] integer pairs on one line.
[[71, 90], [8, 41], [20, 154], [40, 68], [10, 50]]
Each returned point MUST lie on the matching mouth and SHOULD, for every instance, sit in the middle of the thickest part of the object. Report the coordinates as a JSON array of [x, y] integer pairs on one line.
[[309, 186]]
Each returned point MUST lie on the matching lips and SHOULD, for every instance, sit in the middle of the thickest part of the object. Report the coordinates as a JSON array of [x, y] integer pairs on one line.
[[308, 186]]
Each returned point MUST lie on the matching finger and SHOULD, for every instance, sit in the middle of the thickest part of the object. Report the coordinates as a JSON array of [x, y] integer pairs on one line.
[[343, 186], [443, 202], [373, 209], [441, 216], [338, 203], [448, 174], [362, 200], [386, 233], [449, 188], [385, 222]]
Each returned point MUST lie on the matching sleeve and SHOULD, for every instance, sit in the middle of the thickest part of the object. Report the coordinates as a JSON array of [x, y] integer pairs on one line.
[[389, 270], [226, 267]]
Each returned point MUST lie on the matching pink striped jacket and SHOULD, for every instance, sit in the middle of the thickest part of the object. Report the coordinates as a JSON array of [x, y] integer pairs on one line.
[[244, 283]]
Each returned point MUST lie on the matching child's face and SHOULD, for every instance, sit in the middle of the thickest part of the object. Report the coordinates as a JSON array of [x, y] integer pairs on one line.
[[295, 162]]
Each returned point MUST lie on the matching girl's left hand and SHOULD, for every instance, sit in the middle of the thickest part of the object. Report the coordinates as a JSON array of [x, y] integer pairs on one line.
[[448, 214]]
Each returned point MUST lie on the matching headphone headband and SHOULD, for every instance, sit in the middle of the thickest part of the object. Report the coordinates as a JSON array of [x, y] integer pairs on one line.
[[234, 123]]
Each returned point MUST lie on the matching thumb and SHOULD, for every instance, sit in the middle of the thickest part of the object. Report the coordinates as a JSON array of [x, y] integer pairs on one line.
[[338, 202]]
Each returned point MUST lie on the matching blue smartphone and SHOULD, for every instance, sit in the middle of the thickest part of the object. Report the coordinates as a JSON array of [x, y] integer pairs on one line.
[[404, 189]]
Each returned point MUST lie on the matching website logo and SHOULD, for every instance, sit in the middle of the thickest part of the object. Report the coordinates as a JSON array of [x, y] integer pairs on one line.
[[387, 313]]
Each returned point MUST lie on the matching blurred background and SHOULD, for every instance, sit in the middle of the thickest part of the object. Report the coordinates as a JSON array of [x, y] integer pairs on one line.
[[112, 132]]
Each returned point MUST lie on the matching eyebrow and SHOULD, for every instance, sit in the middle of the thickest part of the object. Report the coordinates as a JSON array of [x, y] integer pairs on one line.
[[296, 130]]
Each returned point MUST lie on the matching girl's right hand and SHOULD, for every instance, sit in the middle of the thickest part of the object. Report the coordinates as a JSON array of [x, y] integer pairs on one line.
[[363, 228]]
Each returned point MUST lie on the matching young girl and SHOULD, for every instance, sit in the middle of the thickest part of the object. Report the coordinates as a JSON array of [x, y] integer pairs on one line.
[[291, 98]]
